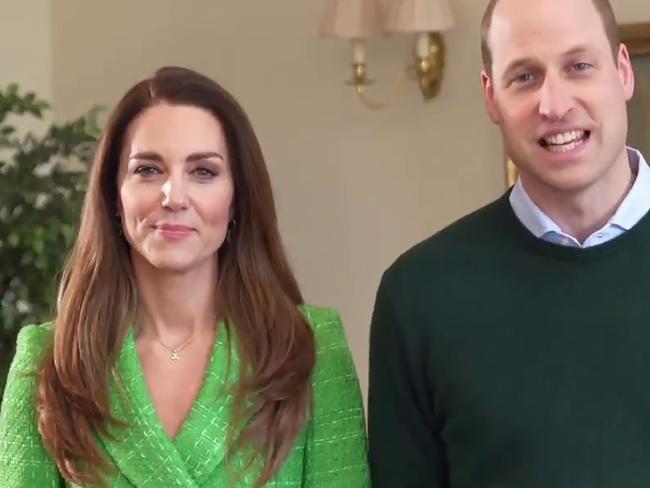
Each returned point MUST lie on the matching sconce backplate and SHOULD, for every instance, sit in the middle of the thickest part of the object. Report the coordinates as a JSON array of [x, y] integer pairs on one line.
[[429, 68]]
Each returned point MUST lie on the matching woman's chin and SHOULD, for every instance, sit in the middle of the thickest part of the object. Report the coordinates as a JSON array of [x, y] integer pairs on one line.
[[175, 262]]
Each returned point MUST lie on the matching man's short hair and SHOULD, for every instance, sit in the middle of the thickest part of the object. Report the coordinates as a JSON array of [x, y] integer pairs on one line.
[[603, 7]]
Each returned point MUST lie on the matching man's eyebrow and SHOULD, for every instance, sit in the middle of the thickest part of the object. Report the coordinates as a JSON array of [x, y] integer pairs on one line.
[[580, 49]]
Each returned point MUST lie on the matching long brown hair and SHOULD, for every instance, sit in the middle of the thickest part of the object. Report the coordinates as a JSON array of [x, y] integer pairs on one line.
[[257, 293]]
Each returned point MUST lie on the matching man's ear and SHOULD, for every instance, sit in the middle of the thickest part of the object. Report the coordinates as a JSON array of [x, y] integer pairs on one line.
[[626, 72], [488, 98]]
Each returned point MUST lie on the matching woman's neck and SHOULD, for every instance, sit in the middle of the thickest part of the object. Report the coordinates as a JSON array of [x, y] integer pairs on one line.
[[176, 305]]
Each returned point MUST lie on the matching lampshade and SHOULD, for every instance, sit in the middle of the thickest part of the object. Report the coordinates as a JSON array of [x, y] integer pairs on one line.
[[352, 19], [420, 16]]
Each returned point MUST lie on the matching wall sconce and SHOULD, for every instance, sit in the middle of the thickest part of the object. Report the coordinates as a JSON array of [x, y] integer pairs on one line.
[[358, 20]]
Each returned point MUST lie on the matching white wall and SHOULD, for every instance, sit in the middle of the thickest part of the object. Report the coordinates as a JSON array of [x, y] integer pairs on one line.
[[354, 188], [631, 10], [26, 48]]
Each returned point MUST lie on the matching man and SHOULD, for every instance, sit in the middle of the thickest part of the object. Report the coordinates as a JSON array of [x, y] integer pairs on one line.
[[512, 349]]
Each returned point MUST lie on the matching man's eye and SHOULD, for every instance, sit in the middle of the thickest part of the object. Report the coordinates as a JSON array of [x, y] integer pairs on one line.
[[581, 66], [523, 78]]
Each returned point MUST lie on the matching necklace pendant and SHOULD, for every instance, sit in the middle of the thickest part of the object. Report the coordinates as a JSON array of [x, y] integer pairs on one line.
[[175, 356]]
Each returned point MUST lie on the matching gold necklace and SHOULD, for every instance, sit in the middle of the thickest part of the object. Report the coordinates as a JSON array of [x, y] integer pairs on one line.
[[174, 351]]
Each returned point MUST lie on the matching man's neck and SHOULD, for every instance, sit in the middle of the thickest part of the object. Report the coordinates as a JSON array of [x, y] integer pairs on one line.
[[580, 214]]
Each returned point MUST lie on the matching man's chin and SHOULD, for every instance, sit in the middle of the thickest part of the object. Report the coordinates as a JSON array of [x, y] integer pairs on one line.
[[567, 182], [568, 179]]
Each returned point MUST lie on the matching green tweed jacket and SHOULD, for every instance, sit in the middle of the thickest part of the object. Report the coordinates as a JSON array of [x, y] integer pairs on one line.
[[330, 452]]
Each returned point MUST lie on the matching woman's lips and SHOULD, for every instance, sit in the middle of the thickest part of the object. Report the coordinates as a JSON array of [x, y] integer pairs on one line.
[[174, 231]]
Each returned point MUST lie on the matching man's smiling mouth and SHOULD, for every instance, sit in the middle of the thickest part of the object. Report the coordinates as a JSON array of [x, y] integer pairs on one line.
[[565, 141]]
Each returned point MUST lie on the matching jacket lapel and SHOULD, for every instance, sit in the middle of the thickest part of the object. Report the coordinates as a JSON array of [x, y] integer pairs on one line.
[[142, 452], [202, 441]]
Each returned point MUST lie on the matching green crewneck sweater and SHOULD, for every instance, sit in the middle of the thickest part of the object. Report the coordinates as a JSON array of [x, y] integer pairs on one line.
[[499, 360]]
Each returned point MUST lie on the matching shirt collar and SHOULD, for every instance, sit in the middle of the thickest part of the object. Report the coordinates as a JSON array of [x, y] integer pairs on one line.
[[633, 207], [637, 202]]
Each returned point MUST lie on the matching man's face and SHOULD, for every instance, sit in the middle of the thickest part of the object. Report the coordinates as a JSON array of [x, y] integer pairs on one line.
[[557, 93]]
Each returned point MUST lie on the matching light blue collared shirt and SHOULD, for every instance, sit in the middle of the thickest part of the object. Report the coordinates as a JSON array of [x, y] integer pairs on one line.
[[633, 207]]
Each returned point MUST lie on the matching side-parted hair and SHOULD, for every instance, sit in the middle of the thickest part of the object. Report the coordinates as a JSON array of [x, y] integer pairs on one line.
[[603, 7], [258, 299]]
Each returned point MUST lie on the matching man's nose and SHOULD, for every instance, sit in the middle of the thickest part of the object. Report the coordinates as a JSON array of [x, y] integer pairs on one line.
[[555, 100]]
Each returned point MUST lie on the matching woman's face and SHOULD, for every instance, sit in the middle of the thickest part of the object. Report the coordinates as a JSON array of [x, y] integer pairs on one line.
[[175, 187]]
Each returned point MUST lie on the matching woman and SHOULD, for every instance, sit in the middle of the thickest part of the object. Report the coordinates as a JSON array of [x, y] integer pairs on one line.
[[181, 353]]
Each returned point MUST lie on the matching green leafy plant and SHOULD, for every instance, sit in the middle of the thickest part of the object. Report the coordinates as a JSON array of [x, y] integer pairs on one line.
[[42, 182]]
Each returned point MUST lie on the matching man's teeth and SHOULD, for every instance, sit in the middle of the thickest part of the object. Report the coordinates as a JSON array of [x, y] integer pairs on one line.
[[570, 138], [563, 147]]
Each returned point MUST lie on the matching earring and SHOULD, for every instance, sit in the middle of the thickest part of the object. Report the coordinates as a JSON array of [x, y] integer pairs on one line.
[[231, 226], [118, 223]]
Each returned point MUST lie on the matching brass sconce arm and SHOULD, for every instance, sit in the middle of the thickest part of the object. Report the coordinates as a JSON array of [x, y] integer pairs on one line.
[[360, 81], [427, 70]]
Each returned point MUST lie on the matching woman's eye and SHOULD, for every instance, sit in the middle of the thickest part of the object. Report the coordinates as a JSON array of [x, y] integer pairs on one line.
[[204, 173], [147, 170]]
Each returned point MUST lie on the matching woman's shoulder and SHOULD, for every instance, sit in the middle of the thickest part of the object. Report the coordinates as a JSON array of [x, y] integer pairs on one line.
[[322, 318], [24, 460], [327, 326], [31, 341], [35, 334], [329, 335], [334, 379]]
